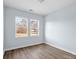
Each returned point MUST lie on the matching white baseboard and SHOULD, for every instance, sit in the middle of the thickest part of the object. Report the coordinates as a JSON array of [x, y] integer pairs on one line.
[[41, 43], [60, 48], [23, 46]]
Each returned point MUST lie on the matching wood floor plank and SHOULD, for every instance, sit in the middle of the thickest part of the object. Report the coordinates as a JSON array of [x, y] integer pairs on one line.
[[42, 51]]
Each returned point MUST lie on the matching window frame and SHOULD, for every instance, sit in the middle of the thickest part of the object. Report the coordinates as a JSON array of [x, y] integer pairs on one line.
[[38, 29]]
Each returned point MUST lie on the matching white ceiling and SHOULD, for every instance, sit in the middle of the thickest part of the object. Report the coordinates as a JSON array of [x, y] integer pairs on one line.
[[43, 8]]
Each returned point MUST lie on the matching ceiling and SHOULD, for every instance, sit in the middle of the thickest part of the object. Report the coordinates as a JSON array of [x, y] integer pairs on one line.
[[34, 6]]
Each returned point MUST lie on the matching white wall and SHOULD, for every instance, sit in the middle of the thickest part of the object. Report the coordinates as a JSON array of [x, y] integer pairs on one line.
[[10, 40], [60, 28]]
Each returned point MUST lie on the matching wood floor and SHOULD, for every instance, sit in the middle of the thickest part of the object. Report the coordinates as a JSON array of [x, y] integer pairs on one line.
[[42, 51]]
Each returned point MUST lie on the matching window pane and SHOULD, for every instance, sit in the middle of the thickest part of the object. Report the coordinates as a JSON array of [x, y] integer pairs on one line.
[[21, 26], [34, 27]]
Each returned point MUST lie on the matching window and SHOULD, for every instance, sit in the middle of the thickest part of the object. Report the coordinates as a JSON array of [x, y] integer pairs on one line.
[[34, 27], [21, 26]]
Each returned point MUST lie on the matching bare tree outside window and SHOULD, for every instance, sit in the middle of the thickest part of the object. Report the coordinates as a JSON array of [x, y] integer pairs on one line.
[[21, 26]]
